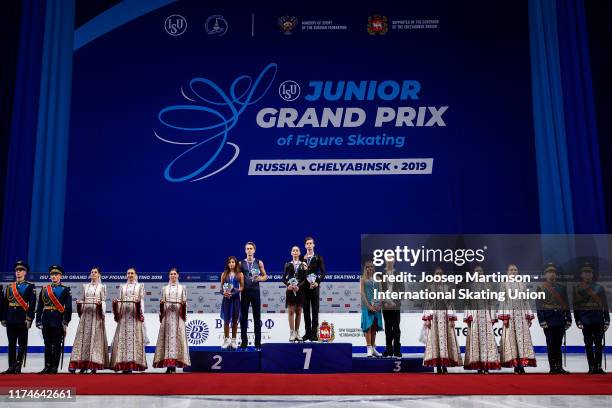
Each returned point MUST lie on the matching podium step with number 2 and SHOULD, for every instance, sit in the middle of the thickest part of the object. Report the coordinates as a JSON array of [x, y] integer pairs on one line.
[[223, 361]]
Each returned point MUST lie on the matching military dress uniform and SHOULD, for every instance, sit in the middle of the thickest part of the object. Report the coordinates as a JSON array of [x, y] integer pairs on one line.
[[53, 314], [555, 318], [18, 308], [592, 316]]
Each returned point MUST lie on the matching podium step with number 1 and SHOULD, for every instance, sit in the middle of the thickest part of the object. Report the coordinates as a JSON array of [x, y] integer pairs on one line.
[[306, 358]]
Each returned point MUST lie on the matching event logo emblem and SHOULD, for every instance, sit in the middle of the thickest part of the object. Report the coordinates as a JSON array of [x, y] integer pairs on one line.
[[269, 324], [289, 90], [216, 25], [175, 25], [197, 332], [377, 25], [202, 124], [327, 334], [287, 24]]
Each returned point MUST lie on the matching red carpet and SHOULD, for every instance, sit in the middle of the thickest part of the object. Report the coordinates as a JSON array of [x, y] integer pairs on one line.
[[324, 384]]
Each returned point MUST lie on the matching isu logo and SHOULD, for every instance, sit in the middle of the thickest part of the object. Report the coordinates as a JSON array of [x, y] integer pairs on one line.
[[326, 332], [289, 91], [175, 25], [197, 332]]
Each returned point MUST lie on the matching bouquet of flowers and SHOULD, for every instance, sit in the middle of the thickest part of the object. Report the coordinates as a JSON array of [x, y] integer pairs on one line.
[[293, 285], [227, 288], [254, 273], [311, 278]]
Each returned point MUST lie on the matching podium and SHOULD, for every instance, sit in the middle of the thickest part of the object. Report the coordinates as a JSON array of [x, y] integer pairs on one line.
[[299, 358], [306, 358], [223, 361]]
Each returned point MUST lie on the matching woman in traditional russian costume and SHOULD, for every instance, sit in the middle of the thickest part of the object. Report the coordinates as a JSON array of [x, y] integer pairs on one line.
[[480, 346], [516, 345], [172, 350], [90, 347], [441, 346], [128, 348]]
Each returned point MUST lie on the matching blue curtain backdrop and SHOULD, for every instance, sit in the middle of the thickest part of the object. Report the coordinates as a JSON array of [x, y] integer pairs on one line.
[[580, 123], [49, 186], [568, 160], [20, 163], [10, 22], [556, 213]]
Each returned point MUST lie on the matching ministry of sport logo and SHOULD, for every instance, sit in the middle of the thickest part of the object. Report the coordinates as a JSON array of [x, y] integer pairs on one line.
[[287, 24], [175, 25], [197, 332]]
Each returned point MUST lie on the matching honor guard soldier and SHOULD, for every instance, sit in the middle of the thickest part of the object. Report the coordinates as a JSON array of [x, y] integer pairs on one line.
[[592, 316], [554, 317], [52, 317], [18, 309]]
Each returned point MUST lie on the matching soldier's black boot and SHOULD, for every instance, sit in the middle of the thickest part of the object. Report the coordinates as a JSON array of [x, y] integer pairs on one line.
[[51, 360], [45, 370], [590, 359], [554, 366], [10, 370], [55, 359], [18, 366], [20, 360], [561, 370], [12, 357], [552, 363], [598, 369], [47, 361]]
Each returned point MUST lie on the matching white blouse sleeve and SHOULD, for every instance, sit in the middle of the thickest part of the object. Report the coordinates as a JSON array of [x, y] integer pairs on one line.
[[103, 298], [142, 298]]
